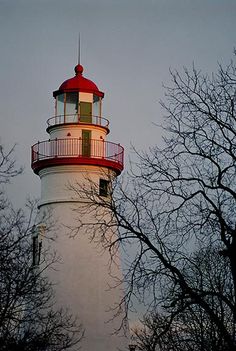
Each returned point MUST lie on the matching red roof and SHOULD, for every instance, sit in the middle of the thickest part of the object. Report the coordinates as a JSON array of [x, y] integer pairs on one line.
[[78, 83]]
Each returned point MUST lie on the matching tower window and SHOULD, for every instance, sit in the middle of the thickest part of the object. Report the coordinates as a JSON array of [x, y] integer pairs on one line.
[[37, 233], [103, 187], [36, 250]]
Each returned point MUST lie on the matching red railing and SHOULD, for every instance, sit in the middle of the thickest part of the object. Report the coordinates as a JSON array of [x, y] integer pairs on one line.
[[78, 148], [75, 118]]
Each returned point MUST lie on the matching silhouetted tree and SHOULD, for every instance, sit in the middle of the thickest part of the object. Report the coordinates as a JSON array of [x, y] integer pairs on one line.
[[178, 198], [28, 318], [190, 328]]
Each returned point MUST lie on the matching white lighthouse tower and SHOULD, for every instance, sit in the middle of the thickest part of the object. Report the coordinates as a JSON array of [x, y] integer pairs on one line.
[[77, 154]]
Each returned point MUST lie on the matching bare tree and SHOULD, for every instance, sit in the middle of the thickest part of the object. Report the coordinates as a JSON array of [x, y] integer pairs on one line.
[[180, 197], [191, 329], [28, 318], [8, 167]]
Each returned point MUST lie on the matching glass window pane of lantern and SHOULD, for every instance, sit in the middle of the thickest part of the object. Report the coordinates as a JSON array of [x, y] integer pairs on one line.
[[96, 106], [71, 107], [60, 105]]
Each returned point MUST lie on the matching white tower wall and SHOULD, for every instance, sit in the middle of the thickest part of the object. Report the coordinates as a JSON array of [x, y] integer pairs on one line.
[[56, 182], [76, 132], [85, 281]]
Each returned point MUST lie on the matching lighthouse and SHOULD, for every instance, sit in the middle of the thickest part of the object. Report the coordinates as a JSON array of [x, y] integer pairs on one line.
[[77, 155]]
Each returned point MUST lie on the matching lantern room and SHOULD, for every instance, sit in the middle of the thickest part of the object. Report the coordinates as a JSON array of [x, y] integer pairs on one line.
[[78, 100], [77, 130]]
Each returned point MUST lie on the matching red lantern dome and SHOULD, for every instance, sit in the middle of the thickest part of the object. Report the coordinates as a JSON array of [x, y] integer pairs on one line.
[[79, 84]]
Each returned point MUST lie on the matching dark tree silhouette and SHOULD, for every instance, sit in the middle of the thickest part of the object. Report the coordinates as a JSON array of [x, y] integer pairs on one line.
[[191, 329], [28, 318], [178, 199]]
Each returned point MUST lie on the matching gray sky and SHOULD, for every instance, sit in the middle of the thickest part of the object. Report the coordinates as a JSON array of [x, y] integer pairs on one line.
[[127, 49]]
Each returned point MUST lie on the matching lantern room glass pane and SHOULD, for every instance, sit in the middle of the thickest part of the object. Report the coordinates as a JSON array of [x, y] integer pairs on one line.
[[96, 107], [72, 107], [60, 105]]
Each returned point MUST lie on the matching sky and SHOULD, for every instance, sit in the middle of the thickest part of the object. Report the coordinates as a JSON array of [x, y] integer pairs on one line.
[[127, 49]]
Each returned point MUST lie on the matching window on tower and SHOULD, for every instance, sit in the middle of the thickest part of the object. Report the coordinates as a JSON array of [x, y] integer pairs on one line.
[[37, 233], [36, 250], [103, 187]]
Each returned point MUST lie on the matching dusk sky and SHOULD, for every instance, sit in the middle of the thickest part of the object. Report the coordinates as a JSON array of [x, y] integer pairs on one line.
[[127, 48]]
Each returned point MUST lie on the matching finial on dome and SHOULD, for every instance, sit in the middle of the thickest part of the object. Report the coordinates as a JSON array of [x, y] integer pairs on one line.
[[79, 69]]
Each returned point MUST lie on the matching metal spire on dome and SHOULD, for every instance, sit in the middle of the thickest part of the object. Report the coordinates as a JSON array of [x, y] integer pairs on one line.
[[79, 68], [79, 49]]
